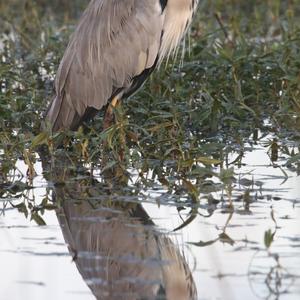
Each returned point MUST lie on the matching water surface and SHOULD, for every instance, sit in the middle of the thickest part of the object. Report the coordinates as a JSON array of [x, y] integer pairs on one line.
[[222, 250]]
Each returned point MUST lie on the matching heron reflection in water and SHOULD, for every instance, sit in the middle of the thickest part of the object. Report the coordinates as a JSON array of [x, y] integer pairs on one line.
[[117, 248]]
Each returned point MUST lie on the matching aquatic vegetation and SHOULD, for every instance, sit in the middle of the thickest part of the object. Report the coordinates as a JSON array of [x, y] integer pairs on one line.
[[238, 82]]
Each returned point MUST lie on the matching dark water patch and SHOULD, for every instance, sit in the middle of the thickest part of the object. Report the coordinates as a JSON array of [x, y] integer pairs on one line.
[[42, 284]]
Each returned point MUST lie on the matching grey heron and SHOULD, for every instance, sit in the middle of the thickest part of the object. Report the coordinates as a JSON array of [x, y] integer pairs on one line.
[[115, 47]]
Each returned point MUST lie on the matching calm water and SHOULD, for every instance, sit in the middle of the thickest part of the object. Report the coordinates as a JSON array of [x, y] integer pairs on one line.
[[104, 247]]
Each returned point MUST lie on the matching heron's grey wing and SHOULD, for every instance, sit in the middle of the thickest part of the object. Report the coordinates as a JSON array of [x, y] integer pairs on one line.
[[114, 43]]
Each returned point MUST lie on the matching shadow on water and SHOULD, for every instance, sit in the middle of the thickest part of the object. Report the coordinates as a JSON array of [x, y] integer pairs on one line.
[[115, 245]]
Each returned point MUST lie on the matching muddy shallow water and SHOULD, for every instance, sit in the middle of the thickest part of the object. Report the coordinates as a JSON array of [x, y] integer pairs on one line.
[[116, 249]]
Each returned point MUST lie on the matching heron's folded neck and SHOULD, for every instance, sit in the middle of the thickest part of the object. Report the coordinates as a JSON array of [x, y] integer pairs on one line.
[[178, 15]]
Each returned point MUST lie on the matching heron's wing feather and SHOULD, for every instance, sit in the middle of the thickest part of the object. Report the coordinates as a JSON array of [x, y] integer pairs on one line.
[[115, 41]]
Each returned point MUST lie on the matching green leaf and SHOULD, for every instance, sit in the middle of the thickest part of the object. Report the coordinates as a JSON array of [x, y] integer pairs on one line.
[[204, 244], [40, 139], [109, 165], [38, 219], [192, 190], [22, 209], [208, 161], [268, 238], [225, 238]]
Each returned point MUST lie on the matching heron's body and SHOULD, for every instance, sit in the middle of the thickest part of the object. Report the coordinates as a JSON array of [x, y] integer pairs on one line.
[[115, 47]]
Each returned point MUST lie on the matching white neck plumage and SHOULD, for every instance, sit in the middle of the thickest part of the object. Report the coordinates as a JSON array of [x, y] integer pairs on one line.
[[177, 18]]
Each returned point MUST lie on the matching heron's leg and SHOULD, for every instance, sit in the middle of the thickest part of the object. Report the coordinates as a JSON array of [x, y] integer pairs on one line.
[[108, 121], [109, 115], [109, 118]]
